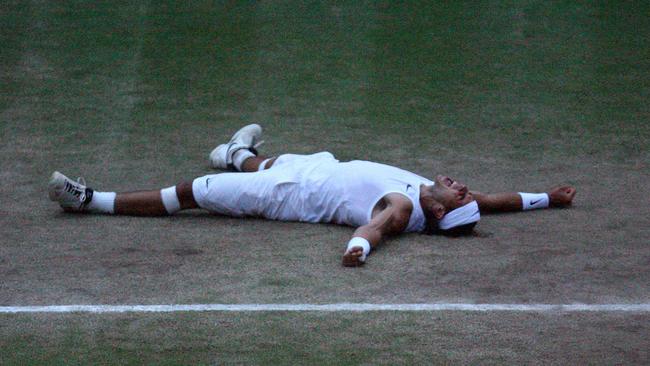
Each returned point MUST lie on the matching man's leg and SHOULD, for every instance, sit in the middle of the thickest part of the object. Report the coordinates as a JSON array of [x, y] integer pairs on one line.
[[152, 203], [257, 163], [240, 153], [76, 197]]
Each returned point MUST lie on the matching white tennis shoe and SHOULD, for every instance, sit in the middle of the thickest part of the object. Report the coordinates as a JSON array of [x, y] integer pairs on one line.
[[72, 196], [246, 138]]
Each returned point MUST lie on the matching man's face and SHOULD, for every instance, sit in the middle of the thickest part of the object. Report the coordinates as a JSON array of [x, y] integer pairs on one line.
[[453, 193]]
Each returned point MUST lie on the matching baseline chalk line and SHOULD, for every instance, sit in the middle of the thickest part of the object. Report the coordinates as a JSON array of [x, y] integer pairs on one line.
[[337, 307]]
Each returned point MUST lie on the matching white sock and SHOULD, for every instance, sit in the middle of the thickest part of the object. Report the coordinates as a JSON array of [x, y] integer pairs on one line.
[[170, 199], [102, 202], [239, 158], [263, 165]]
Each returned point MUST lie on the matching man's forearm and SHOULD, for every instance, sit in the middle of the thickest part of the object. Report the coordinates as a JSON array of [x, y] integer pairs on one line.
[[372, 235], [561, 196], [498, 202]]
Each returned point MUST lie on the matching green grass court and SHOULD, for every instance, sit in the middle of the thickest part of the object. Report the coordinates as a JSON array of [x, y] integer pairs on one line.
[[504, 95]]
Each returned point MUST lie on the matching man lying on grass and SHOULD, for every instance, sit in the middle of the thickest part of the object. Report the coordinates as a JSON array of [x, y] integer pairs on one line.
[[379, 200]]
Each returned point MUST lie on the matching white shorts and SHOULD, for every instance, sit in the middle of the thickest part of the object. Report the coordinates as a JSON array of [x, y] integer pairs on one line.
[[272, 193]]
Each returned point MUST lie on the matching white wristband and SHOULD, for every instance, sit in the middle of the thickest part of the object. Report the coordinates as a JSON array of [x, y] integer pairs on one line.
[[531, 201], [358, 241]]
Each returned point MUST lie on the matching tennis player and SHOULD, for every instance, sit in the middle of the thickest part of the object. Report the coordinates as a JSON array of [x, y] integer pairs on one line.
[[378, 199]]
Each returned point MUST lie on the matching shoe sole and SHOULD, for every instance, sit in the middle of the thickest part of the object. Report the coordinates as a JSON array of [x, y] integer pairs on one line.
[[55, 186], [215, 159], [245, 129]]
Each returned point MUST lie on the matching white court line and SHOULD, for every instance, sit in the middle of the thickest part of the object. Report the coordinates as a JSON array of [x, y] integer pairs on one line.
[[347, 307]]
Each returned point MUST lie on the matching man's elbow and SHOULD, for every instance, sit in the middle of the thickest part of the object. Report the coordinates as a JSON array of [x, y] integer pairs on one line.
[[399, 224]]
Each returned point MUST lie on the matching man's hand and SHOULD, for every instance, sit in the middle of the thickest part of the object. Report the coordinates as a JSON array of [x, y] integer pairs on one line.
[[561, 196], [352, 257]]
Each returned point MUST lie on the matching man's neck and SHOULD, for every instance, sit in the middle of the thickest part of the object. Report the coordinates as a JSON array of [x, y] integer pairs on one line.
[[426, 196]]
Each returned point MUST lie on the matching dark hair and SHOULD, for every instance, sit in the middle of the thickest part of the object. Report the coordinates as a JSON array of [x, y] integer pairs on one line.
[[433, 228], [460, 230]]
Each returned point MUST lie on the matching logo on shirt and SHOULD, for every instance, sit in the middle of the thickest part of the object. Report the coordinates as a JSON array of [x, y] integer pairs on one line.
[[206, 182], [408, 186]]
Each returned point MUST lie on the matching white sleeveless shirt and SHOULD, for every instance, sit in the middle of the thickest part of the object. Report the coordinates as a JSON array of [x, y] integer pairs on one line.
[[347, 193]]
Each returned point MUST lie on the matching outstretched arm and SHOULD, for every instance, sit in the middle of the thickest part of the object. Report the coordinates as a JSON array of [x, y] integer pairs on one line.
[[561, 196], [393, 219]]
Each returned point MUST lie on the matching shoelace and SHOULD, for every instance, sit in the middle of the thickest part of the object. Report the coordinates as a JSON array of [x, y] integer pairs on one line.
[[258, 144], [82, 181]]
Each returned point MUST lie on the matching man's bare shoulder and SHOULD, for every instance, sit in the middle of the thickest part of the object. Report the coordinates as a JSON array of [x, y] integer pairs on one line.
[[401, 208], [398, 201]]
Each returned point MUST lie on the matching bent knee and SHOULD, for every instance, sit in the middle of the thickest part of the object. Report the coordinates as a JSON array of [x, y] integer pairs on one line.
[[185, 195]]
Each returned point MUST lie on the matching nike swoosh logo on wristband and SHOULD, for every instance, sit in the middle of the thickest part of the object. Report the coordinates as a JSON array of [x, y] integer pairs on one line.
[[534, 202]]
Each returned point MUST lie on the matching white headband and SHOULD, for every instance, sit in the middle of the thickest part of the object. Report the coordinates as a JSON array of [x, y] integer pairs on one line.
[[462, 215]]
